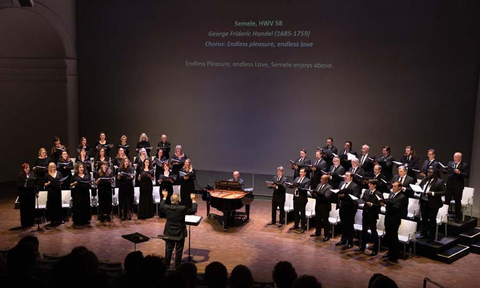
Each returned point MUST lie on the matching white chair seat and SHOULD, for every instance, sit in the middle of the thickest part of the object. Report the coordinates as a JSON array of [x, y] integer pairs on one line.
[[403, 239], [333, 220], [358, 227], [381, 233], [383, 210]]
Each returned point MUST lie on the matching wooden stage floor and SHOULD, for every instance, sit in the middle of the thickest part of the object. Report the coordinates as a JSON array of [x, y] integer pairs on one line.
[[253, 244]]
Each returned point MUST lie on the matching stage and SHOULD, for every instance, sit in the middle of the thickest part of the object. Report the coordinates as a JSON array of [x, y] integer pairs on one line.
[[253, 244]]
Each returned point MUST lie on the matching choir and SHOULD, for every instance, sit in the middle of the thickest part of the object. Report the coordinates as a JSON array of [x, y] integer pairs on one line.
[[94, 172]]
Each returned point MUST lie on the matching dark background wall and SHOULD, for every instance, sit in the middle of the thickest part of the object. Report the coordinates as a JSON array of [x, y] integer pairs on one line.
[[404, 73], [33, 85]]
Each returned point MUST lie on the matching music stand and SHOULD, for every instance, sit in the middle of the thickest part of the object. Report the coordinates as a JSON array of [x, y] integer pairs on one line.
[[136, 238], [39, 229], [191, 220]]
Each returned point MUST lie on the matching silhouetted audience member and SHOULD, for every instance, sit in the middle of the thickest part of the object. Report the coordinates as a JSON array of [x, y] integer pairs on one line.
[[153, 270], [307, 281], [175, 279], [284, 274], [132, 271], [32, 240], [241, 277], [20, 262], [216, 275], [70, 271], [381, 281], [190, 271]]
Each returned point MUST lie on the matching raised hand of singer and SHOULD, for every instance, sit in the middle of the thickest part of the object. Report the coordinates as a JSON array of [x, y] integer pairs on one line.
[[164, 193], [192, 196]]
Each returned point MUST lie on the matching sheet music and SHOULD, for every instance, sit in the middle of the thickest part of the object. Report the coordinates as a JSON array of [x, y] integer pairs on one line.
[[416, 188], [441, 164], [193, 218], [335, 190], [350, 156], [398, 163], [270, 184]]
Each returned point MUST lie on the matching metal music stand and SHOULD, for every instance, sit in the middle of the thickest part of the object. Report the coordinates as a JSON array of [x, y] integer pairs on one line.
[[191, 220], [136, 238]]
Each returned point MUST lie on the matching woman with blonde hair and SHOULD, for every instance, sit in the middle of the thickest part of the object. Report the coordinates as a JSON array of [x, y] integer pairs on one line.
[[40, 166], [124, 145], [178, 159], [187, 182], [143, 143], [53, 186]]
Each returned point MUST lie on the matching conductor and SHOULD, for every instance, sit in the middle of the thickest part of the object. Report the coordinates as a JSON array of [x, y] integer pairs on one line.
[[175, 227]]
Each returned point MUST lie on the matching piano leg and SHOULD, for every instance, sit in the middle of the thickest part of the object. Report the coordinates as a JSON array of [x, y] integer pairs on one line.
[[247, 211], [208, 208], [226, 219]]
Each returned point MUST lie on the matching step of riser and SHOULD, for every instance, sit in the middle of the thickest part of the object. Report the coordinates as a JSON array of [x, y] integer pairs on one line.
[[453, 257]]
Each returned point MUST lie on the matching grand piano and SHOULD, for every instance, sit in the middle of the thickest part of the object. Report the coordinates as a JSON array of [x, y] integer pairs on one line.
[[227, 197]]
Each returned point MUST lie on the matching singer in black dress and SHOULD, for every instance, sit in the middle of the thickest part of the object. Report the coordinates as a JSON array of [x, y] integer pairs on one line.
[[158, 164], [57, 149], [101, 157], [145, 205], [41, 167], [166, 184], [123, 144], [143, 143], [125, 189], [27, 189], [187, 178], [177, 161], [84, 145], [81, 196], [104, 184], [82, 158], [54, 197], [65, 166], [103, 143]]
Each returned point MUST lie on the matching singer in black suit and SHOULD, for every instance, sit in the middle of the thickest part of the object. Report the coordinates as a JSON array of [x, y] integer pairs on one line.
[[457, 171], [322, 194], [300, 199], [319, 168], [365, 160], [382, 182], [371, 207], [344, 155], [394, 206], [405, 180], [386, 161], [175, 225], [329, 150], [430, 201], [410, 161], [357, 172], [431, 162], [336, 172], [300, 163], [278, 199], [348, 208]]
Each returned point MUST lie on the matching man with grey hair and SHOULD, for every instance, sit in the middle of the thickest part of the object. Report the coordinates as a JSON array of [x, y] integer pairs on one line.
[[236, 178], [405, 180], [278, 199], [365, 160], [175, 226], [357, 171], [457, 171]]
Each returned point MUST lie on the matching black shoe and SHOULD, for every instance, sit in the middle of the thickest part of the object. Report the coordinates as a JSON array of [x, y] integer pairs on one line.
[[314, 235], [422, 236], [430, 240], [279, 225], [293, 228], [360, 249], [326, 238], [302, 231], [457, 220], [349, 246], [340, 243], [271, 223], [385, 255], [373, 253]]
